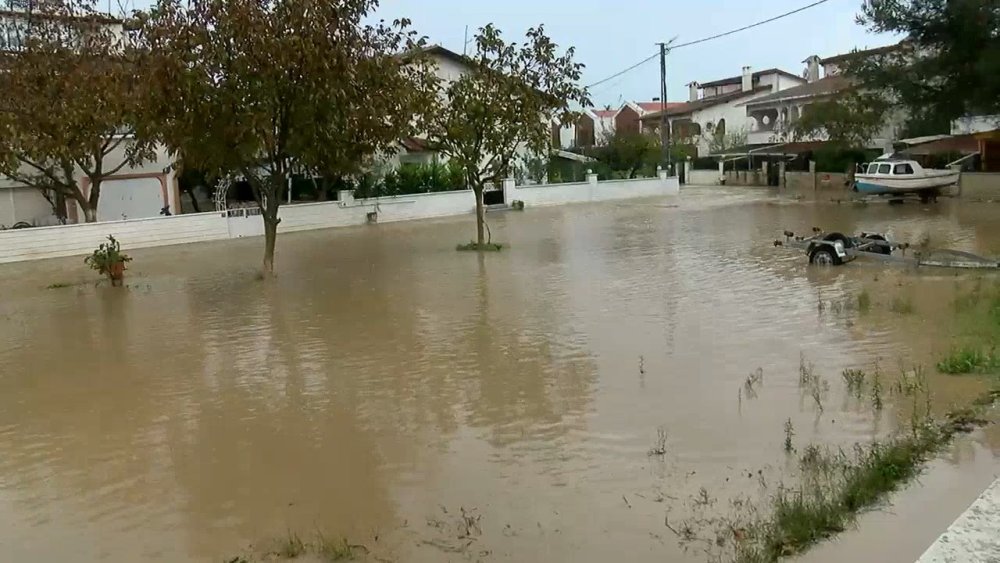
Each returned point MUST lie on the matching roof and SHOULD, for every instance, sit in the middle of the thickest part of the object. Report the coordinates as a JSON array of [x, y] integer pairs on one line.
[[656, 106], [773, 149], [604, 113], [964, 144], [691, 107], [446, 53], [756, 75], [821, 87], [862, 53], [414, 144]]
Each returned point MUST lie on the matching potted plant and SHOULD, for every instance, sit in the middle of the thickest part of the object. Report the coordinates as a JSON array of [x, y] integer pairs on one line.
[[109, 261]]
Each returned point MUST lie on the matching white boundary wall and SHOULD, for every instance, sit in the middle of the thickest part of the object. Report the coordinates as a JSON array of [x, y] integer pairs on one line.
[[81, 239], [591, 190]]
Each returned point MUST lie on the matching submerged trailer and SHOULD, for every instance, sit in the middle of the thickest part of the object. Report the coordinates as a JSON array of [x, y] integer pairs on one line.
[[836, 249]]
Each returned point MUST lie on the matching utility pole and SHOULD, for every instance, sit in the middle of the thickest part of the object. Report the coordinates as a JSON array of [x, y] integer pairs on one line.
[[664, 129]]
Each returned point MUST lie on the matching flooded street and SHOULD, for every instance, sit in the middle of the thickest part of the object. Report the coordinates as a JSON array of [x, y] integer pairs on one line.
[[384, 384]]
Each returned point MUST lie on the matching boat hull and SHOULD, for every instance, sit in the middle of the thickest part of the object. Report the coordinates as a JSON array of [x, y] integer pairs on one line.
[[881, 185]]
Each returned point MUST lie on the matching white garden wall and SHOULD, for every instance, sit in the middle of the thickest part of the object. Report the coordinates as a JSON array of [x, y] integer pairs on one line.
[[703, 177], [591, 190], [81, 239]]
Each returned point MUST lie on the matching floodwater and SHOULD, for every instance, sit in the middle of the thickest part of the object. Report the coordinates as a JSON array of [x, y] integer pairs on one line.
[[384, 384]]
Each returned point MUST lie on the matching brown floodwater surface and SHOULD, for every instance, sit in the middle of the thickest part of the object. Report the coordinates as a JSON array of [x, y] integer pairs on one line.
[[384, 384]]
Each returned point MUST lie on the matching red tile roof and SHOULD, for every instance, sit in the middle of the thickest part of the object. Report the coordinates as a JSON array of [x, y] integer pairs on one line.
[[655, 106], [603, 113]]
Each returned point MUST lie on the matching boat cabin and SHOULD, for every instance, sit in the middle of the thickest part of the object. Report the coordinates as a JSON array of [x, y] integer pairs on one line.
[[892, 168]]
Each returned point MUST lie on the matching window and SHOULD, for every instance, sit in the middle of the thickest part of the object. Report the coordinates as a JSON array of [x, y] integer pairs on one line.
[[904, 168], [873, 168], [884, 168]]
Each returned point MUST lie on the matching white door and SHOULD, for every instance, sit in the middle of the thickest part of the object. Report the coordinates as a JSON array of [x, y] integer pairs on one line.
[[133, 198]]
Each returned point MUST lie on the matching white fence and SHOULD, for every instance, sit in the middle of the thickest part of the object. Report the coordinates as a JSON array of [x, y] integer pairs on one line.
[[80, 239]]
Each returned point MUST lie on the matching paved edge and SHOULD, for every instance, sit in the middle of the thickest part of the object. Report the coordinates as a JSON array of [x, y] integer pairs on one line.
[[974, 536]]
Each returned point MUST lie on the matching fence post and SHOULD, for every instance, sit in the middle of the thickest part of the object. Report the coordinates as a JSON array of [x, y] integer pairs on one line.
[[781, 174], [812, 171]]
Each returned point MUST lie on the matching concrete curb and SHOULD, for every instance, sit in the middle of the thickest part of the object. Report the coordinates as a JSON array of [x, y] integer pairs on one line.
[[974, 536]]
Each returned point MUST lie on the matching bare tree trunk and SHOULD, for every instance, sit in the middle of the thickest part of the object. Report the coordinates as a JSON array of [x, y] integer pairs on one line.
[[480, 216], [270, 238], [89, 213]]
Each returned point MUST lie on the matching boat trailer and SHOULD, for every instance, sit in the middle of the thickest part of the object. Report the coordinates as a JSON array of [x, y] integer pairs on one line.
[[836, 249]]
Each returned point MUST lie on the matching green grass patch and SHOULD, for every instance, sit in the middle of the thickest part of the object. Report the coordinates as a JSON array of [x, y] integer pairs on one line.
[[902, 306], [837, 486], [864, 301], [292, 547], [485, 247], [968, 359]]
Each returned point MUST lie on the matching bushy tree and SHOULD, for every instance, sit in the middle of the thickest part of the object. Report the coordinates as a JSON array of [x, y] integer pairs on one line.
[[626, 153], [268, 88], [848, 119], [70, 105], [949, 64], [502, 108]]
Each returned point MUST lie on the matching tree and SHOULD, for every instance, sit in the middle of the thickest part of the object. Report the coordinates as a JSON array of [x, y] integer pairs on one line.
[[627, 153], [849, 119], [949, 65], [721, 140], [267, 88], [504, 105], [69, 104]]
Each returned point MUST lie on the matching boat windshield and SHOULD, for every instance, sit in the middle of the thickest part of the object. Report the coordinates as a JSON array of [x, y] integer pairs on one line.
[[884, 168]]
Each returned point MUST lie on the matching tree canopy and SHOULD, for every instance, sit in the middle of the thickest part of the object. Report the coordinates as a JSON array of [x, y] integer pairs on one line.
[[265, 88], [849, 119], [503, 106], [70, 104], [949, 64]]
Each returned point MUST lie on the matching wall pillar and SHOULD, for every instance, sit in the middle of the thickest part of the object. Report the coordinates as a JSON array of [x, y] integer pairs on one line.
[[812, 171], [781, 173], [508, 186]]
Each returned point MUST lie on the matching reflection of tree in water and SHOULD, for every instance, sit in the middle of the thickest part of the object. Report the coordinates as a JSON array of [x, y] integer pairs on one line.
[[523, 383]]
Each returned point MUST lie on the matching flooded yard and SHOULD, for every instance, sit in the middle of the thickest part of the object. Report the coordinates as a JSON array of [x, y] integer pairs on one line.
[[432, 405]]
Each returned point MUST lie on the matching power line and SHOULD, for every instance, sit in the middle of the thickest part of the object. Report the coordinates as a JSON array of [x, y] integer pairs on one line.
[[705, 39]]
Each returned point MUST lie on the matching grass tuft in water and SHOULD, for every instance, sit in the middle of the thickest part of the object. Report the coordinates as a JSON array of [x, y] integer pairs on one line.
[[58, 285], [837, 487], [968, 359], [864, 301], [902, 306], [476, 247], [789, 434], [855, 381]]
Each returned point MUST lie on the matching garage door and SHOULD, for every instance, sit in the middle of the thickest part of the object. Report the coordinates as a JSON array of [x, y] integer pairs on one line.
[[134, 198]]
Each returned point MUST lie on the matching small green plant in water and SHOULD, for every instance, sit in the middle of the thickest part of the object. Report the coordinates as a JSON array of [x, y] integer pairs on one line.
[[855, 380], [968, 359], [864, 301], [789, 434], [59, 285], [902, 306], [485, 247], [109, 260], [877, 389]]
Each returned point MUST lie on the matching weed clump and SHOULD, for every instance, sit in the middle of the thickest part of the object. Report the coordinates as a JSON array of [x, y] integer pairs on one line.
[[864, 301], [485, 247], [968, 359]]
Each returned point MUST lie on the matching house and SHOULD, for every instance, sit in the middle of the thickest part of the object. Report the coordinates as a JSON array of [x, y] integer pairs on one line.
[[130, 193], [714, 110], [595, 125], [772, 116]]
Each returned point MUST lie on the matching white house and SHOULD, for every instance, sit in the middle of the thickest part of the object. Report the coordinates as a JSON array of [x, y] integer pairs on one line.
[[772, 116], [715, 109], [133, 192]]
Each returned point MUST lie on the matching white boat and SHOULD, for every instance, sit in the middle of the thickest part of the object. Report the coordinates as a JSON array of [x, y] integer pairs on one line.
[[898, 177]]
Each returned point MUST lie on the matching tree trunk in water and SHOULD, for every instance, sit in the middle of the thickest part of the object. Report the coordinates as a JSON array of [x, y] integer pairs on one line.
[[270, 237], [480, 216]]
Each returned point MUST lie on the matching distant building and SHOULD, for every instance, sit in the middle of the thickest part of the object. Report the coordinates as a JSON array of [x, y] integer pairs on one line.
[[714, 109], [773, 116]]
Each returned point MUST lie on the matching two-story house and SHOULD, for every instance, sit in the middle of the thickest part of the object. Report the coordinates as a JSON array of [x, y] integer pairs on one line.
[[772, 117], [714, 112]]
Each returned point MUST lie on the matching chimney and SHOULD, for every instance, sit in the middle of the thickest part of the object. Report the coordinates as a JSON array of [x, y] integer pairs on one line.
[[747, 79], [693, 92], [812, 69]]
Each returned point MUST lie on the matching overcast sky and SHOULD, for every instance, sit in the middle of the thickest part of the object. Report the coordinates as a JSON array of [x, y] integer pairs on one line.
[[610, 35]]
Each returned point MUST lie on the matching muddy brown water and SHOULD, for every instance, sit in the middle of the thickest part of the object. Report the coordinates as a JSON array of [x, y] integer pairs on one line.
[[385, 383]]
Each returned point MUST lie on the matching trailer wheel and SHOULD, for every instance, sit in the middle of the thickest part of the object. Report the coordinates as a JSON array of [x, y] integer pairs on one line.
[[834, 237], [880, 249], [824, 256]]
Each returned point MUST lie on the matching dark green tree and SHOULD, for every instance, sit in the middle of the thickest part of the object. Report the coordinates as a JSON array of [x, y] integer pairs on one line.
[[949, 65]]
